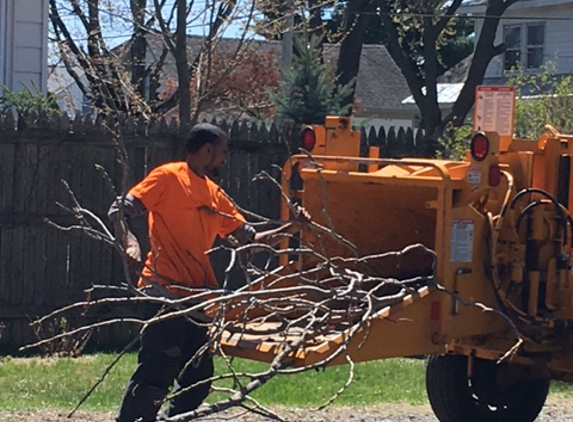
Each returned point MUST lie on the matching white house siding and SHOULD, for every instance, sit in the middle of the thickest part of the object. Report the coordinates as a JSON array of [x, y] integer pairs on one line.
[[23, 43], [558, 46], [69, 96]]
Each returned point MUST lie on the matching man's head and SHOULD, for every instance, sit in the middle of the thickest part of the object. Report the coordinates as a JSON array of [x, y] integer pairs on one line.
[[207, 149]]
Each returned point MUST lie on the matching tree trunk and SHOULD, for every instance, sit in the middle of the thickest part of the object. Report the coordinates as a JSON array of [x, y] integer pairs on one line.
[[183, 76], [431, 112], [315, 22], [358, 14], [138, 47]]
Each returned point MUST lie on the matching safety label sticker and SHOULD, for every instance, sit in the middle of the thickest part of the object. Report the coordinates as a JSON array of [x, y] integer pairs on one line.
[[474, 175], [462, 240]]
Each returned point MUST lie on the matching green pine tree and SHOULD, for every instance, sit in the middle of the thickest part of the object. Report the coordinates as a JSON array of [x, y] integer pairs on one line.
[[308, 91]]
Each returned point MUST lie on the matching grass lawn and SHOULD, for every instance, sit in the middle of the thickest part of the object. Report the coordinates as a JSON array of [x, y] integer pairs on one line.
[[32, 383]]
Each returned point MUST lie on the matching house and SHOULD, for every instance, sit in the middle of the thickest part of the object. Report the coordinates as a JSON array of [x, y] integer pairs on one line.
[[380, 86], [24, 44], [535, 32], [69, 96]]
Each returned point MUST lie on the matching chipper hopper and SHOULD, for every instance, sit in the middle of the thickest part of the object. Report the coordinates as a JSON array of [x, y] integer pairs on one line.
[[468, 262]]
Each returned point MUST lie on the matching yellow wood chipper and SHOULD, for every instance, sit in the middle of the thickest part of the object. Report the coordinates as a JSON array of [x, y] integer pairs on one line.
[[497, 322]]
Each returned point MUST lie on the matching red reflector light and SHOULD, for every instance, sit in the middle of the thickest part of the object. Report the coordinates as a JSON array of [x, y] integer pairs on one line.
[[494, 176], [479, 146], [308, 139]]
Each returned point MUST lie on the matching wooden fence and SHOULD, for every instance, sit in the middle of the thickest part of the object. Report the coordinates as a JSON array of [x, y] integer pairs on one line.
[[42, 268]]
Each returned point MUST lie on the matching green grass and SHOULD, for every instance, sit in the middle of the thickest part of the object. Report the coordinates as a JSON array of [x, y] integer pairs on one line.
[[33, 383], [561, 389], [397, 380]]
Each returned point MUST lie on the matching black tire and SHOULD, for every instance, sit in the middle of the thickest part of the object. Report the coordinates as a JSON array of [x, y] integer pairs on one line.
[[491, 395]]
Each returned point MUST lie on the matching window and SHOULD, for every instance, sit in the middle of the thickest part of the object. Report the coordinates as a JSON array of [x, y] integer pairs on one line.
[[524, 45], [87, 107], [512, 37], [535, 39]]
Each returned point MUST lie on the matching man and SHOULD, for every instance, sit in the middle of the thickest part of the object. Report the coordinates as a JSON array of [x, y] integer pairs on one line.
[[186, 212]]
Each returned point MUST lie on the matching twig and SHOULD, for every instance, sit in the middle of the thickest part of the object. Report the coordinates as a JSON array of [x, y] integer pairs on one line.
[[349, 381], [103, 375]]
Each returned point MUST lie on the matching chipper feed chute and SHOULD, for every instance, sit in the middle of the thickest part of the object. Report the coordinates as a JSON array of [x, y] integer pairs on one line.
[[321, 323]]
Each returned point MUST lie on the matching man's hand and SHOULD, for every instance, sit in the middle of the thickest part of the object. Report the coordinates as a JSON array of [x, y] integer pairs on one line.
[[133, 253], [271, 237], [301, 215]]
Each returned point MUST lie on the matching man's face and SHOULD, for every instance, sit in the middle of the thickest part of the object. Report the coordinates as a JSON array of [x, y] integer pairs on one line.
[[219, 151]]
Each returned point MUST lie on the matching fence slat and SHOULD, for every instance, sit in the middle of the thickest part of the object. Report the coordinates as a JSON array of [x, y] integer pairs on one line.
[[58, 160], [6, 278]]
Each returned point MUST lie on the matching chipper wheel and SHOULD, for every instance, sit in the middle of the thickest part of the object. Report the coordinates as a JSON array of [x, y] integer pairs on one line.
[[492, 394]]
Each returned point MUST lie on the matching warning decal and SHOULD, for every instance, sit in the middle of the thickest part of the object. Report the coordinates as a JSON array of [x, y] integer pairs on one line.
[[474, 175], [462, 240]]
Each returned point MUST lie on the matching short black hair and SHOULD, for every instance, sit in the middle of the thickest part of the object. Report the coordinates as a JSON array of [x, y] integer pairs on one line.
[[202, 134]]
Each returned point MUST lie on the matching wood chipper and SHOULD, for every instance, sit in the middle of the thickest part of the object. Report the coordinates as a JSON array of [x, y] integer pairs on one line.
[[496, 321]]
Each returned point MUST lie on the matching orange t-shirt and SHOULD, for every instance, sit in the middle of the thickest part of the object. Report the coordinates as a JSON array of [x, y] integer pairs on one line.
[[186, 213]]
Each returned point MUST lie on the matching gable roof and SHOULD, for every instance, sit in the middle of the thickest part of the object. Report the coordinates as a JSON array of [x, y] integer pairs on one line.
[[457, 73], [380, 83]]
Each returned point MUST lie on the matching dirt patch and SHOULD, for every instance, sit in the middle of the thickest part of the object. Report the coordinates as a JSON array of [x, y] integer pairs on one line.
[[556, 410], [389, 412], [50, 415]]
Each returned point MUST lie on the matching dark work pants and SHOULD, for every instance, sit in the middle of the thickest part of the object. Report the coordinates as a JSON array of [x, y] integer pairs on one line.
[[165, 349]]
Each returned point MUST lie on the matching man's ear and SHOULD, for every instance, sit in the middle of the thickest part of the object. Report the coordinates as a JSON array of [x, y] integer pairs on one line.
[[208, 148]]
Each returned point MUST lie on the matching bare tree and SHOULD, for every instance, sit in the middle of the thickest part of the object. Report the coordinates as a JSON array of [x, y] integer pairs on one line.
[[79, 31], [432, 19], [127, 77]]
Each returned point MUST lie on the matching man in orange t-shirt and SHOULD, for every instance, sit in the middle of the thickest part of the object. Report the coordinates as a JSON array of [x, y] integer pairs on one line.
[[186, 212]]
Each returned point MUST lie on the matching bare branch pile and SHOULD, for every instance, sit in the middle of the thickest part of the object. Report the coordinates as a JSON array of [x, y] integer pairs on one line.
[[300, 306]]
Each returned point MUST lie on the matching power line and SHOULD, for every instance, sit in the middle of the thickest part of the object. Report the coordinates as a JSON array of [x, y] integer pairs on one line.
[[468, 16]]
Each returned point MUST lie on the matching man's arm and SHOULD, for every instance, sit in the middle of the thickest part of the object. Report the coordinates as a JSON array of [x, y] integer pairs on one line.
[[132, 209], [247, 234]]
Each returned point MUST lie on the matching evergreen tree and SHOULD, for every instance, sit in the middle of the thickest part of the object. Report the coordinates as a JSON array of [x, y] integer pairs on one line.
[[308, 91]]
